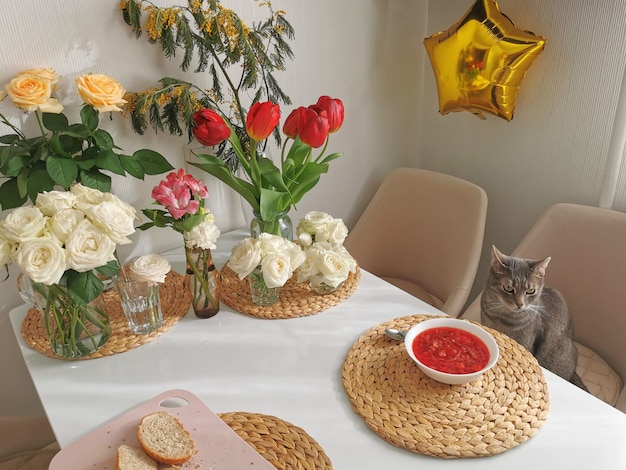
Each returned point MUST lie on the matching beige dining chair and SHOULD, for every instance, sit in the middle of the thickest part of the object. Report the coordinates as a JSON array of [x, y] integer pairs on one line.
[[588, 266], [26, 443], [423, 232]]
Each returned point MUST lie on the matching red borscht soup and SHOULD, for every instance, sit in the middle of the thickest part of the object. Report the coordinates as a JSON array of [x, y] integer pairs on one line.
[[450, 350]]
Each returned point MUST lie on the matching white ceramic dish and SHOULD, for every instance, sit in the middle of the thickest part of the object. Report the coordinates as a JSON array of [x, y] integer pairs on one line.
[[444, 377], [218, 446]]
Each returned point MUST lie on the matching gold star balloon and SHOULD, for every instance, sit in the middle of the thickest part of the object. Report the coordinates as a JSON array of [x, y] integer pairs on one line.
[[480, 61]]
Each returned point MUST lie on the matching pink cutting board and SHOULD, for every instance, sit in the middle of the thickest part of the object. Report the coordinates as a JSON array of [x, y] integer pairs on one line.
[[218, 447]]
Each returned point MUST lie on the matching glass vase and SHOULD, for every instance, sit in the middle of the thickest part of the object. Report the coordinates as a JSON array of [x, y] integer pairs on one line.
[[73, 330], [203, 281], [282, 225], [320, 287], [260, 293]]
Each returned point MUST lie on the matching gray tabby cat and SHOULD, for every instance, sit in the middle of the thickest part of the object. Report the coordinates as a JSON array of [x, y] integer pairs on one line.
[[516, 303]]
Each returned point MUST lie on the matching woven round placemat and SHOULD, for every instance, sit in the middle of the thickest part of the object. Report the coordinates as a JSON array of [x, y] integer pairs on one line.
[[175, 301], [505, 407], [281, 443], [296, 299]]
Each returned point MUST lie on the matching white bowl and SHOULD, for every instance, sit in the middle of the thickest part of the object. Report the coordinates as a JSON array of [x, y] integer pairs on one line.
[[450, 378]]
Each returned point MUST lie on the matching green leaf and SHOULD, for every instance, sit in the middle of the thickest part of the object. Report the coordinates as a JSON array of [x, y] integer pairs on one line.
[[216, 167], [153, 163], [9, 138], [271, 174], [83, 287], [56, 146], [270, 204], [39, 181], [15, 165], [108, 160], [9, 195], [103, 139], [110, 269], [62, 170], [94, 179], [70, 145], [132, 166], [78, 130], [158, 218], [90, 117], [55, 122]]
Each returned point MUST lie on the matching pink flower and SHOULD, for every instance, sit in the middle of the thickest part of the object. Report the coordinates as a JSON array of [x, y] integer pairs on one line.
[[180, 194]]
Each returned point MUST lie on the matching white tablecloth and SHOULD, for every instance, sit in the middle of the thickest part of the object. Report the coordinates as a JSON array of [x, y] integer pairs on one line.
[[291, 369]]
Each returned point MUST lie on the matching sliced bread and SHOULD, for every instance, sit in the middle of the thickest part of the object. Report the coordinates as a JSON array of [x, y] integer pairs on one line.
[[134, 458], [164, 438]]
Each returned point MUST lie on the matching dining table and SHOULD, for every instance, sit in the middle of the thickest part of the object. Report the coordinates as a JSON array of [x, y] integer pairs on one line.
[[294, 369]]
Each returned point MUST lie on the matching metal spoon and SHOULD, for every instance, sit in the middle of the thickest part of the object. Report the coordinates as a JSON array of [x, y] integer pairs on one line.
[[396, 334]]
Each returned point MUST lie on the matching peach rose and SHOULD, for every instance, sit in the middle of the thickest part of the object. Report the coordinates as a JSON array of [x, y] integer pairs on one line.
[[32, 93], [46, 74], [100, 91]]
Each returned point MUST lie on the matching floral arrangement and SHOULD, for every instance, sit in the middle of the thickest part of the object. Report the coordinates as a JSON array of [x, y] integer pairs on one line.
[[67, 238], [268, 189], [65, 153], [151, 268], [240, 62], [183, 197], [275, 258], [327, 262]]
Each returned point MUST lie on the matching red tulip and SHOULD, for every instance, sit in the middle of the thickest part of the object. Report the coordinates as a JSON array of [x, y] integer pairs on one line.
[[290, 128], [210, 128], [262, 119], [334, 111], [312, 127]]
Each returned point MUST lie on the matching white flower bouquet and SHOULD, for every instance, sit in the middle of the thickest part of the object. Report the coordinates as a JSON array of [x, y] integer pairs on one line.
[[276, 257], [67, 238], [65, 245], [327, 264]]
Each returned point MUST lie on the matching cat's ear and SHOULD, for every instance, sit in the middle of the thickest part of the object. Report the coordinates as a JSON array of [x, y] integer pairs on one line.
[[498, 259], [540, 266]]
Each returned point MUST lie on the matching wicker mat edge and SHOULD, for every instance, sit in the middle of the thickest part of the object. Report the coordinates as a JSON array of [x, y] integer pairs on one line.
[[296, 299], [175, 302], [505, 407], [281, 443]]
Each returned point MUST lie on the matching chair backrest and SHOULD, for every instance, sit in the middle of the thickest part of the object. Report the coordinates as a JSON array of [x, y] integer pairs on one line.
[[423, 231], [588, 249]]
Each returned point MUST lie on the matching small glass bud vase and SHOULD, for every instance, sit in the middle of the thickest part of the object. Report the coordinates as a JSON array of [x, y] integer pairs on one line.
[[320, 287], [260, 293], [282, 225], [203, 281]]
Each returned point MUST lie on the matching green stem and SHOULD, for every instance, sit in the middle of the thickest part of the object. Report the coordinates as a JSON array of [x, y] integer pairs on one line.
[[191, 263]]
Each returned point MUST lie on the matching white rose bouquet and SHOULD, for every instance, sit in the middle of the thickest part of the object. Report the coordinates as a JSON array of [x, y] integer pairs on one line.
[[65, 244], [67, 238], [321, 227], [327, 262], [272, 256]]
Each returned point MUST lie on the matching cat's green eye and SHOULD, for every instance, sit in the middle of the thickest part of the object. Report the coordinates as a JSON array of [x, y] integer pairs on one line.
[[508, 289], [531, 291]]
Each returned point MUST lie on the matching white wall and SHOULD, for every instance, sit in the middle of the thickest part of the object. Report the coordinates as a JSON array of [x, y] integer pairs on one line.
[[370, 54]]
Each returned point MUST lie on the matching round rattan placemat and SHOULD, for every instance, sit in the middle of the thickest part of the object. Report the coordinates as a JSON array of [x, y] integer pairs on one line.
[[296, 299], [281, 443], [175, 301], [505, 407]]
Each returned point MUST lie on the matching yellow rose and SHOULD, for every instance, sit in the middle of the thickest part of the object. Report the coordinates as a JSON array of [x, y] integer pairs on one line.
[[46, 74], [32, 92], [100, 91]]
